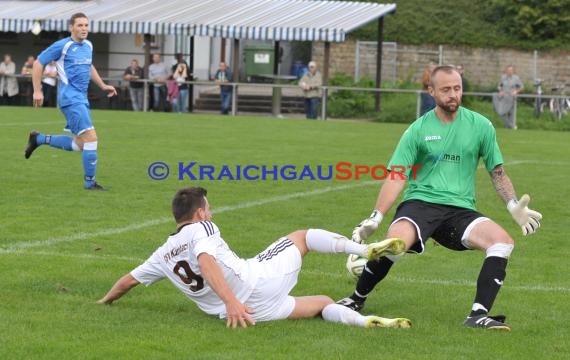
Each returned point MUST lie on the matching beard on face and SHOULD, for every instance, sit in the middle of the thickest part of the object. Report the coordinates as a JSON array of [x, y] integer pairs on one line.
[[449, 107]]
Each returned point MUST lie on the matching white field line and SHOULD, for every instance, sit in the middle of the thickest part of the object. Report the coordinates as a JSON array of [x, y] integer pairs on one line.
[[164, 220], [100, 256], [318, 273], [530, 288], [245, 205], [442, 282], [49, 122], [33, 123]]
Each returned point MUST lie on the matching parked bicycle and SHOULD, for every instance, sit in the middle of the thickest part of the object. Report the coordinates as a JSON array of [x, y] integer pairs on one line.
[[559, 105]]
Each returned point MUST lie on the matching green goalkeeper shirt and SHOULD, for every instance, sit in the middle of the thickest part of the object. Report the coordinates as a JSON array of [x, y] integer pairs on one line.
[[448, 154]]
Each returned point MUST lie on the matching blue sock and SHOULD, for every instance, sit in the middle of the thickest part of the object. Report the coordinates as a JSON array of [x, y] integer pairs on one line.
[[41, 139], [89, 166], [56, 141]]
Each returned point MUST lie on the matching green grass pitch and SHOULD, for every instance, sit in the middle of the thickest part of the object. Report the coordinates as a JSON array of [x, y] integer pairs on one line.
[[61, 248]]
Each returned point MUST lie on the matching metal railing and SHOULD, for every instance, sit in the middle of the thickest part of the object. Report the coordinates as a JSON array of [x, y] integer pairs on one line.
[[326, 92]]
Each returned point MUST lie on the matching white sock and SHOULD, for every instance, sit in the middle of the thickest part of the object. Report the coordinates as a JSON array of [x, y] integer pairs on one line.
[[74, 146], [341, 314], [328, 242], [477, 306]]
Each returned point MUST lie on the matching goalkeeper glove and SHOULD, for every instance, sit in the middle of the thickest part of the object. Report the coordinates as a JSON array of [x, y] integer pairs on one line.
[[528, 220], [367, 227]]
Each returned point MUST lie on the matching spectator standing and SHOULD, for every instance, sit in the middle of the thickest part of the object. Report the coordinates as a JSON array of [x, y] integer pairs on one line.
[[173, 94], [224, 76], [8, 82], [464, 83], [28, 66], [26, 88], [179, 59], [136, 88], [311, 83], [49, 82], [509, 87], [158, 73], [180, 76], [427, 102]]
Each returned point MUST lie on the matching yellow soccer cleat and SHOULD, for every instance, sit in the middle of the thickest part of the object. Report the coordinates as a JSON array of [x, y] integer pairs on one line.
[[396, 323], [393, 246]]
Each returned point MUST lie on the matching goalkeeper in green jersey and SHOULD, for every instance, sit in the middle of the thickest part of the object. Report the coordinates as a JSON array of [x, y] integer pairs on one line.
[[439, 201]]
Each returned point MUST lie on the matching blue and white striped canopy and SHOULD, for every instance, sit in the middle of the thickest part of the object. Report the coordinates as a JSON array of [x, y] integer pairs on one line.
[[278, 20]]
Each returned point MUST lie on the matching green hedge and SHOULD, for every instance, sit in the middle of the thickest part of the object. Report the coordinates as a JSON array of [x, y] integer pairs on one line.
[[401, 107], [347, 103], [476, 23]]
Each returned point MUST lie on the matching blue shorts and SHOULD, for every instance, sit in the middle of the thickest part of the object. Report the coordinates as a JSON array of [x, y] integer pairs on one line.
[[78, 118]]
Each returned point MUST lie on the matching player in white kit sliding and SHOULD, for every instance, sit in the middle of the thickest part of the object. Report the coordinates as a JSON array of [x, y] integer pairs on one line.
[[200, 264]]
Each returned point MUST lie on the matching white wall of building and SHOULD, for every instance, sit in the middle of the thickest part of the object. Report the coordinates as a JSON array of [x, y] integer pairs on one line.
[[125, 47], [202, 58], [207, 53]]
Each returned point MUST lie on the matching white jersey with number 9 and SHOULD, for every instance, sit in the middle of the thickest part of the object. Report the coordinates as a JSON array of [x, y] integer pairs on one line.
[[177, 260]]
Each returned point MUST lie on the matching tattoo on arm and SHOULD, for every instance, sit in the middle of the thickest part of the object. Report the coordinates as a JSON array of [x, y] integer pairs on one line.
[[503, 184]]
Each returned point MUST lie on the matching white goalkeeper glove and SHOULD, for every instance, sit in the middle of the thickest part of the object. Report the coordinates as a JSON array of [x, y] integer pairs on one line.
[[367, 227], [528, 220]]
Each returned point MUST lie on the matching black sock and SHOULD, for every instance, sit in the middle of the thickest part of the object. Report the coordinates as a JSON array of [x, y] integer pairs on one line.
[[372, 274], [489, 283]]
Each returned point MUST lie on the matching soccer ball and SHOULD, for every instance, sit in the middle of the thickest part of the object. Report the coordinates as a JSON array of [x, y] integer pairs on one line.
[[355, 264]]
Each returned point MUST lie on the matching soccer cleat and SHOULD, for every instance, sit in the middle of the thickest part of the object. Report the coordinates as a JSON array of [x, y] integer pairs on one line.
[[487, 322], [499, 318], [396, 323], [32, 144], [96, 187], [351, 304], [393, 246]]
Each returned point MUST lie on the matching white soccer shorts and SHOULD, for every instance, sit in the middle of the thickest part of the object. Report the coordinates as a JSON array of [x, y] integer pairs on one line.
[[278, 269]]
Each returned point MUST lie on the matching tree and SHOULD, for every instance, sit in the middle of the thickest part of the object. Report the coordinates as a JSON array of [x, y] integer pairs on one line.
[[538, 20]]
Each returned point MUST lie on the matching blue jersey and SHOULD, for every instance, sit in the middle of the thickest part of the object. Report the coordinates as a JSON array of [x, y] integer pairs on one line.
[[73, 62]]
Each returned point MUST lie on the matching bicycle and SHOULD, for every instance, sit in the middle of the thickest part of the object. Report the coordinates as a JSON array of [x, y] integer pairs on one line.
[[559, 105], [539, 104]]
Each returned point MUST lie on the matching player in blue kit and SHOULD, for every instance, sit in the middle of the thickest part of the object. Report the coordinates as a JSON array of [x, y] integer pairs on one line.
[[73, 56]]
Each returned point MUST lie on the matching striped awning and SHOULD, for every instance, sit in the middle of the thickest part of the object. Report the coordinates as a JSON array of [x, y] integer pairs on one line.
[[278, 20]]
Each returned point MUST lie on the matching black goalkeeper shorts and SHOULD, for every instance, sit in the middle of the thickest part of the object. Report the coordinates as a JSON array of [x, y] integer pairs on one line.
[[448, 225]]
